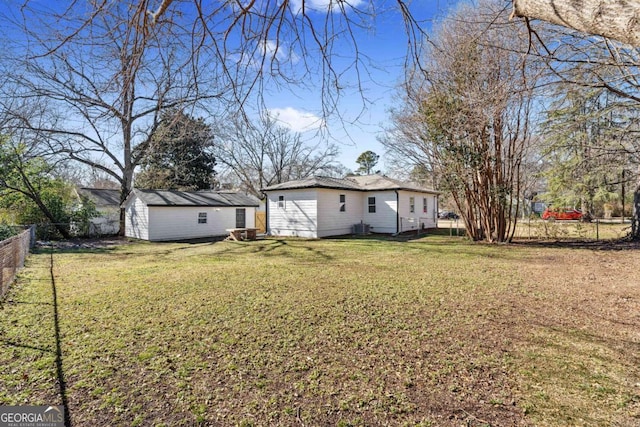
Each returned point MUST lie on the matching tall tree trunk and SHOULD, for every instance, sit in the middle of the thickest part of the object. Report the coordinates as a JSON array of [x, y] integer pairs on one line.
[[635, 214], [125, 189], [615, 19]]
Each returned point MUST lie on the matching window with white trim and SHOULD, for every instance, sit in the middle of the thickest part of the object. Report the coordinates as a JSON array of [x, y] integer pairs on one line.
[[202, 217], [343, 204], [424, 204], [280, 202], [412, 204]]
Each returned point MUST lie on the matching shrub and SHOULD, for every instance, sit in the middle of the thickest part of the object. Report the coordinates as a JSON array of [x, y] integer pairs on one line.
[[6, 231]]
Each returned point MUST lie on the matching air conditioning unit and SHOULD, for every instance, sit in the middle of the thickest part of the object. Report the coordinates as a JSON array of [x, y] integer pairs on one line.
[[361, 228]]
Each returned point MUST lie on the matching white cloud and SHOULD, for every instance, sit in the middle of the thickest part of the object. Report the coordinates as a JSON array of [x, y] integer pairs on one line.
[[296, 120], [281, 53], [324, 5]]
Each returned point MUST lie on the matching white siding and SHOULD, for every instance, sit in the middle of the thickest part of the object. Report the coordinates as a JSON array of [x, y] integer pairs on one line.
[[431, 217], [137, 219], [333, 222], [414, 220], [316, 212], [384, 219], [181, 222], [297, 217]]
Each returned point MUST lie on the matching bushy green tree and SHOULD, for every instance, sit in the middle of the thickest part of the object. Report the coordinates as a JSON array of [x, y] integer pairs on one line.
[[32, 194], [180, 156], [6, 231]]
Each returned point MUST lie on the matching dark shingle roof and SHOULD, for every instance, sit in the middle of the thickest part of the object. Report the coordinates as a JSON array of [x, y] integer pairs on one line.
[[316, 182], [194, 198], [357, 183], [101, 197]]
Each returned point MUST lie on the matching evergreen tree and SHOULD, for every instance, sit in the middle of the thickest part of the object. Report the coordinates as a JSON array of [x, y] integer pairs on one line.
[[584, 135], [180, 156], [367, 161]]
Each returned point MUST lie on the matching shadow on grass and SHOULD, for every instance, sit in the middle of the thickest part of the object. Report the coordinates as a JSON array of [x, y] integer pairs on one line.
[[407, 236], [600, 245], [289, 248], [62, 384]]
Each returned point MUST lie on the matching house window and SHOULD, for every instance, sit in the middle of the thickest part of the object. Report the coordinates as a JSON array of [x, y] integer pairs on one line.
[[412, 204], [280, 202], [343, 205], [202, 217], [424, 204], [372, 205]]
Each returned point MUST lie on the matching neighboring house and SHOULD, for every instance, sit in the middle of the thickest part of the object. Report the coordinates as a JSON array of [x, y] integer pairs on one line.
[[107, 203], [321, 206], [176, 215]]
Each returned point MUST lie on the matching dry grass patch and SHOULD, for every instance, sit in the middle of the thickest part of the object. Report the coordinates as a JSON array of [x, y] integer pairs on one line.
[[334, 332]]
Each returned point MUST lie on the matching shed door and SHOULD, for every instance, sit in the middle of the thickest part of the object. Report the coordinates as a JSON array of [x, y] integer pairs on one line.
[[241, 215]]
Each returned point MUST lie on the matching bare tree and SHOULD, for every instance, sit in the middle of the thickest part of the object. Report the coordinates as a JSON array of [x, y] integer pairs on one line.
[[468, 117], [266, 153], [107, 85], [249, 45]]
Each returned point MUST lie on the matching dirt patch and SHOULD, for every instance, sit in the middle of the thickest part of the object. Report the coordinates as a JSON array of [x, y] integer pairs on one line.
[[84, 243]]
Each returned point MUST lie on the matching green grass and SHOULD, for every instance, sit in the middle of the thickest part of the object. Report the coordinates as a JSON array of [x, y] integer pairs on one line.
[[434, 331], [594, 230]]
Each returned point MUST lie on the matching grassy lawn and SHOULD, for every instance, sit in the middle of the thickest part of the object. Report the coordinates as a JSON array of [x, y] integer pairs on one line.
[[430, 332]]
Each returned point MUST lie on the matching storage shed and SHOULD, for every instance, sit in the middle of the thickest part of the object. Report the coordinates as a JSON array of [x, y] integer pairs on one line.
[[158, 215]]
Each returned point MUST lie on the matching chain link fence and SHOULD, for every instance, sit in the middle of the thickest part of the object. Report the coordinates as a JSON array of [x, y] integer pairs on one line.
[[13, 252], [597, 229], [538, 229]]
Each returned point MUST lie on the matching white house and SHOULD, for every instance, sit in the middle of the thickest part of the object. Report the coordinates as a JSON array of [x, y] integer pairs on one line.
[[176, 215], [107, 203], [321, 206]]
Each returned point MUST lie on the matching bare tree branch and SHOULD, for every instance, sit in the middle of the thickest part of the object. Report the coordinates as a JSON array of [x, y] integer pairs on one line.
[[615, 19]]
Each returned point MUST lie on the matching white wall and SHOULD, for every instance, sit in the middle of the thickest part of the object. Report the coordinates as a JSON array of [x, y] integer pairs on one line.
[[299, 215], [431, 217], [181, 222], [333, 222], [108, 222], [137, 219], [384, 219], [414, 220], [316, 212]]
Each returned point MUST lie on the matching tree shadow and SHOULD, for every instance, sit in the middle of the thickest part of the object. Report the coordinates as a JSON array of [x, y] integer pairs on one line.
[[599, 245], [62, 384], [60, 376]]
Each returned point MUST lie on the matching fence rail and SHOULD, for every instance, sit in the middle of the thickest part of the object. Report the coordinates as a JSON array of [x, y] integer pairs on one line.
[[13, 252], [538, 229]]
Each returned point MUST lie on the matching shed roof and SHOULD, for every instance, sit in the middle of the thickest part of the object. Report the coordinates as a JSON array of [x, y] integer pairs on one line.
[[194, 198], [356, 183], [101, 197]]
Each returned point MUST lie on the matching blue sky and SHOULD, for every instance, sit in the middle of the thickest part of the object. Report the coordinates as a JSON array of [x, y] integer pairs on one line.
[[384, 44], [357, 131]]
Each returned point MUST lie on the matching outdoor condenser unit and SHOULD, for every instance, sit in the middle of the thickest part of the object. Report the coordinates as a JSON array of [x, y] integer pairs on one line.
[[361, 228]]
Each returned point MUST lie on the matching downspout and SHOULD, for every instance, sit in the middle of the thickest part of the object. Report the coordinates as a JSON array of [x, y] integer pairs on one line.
[[397, 213], [266, 212]]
